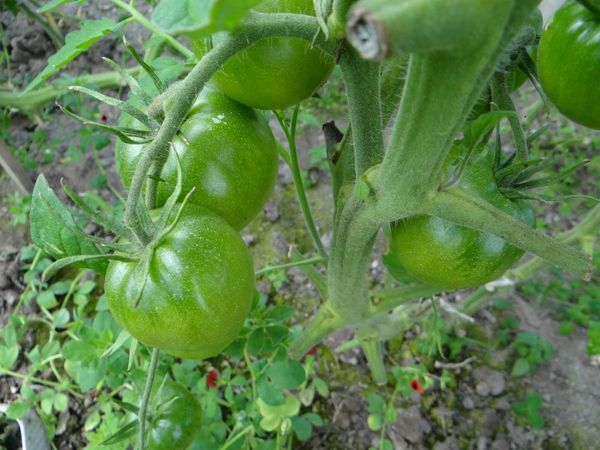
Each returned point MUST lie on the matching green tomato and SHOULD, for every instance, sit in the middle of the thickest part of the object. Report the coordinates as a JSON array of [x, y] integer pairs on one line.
[[569, 63], [227, 153], [452, 256], [175, 418], [197, 293], [276, 73]]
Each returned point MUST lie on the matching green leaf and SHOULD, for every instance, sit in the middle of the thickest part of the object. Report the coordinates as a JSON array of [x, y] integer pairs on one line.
[[280, 313], [269, 393], [61, 402], [302, 428], [520, 368], [92, 421], [76, 42], [286, 374], [46, 299], [375, 422], [8, 356], [200, 18], [54, 230], [17, 410], [315, 419]]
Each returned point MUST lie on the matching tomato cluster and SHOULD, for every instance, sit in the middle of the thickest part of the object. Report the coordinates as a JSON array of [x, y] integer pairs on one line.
[[190, 296]]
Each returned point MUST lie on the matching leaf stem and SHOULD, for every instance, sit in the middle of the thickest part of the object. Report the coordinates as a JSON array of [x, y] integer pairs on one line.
[[290, 134], [146, 397], [305, 262]]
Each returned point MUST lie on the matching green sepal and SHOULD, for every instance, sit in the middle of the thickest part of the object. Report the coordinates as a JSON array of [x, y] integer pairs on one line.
[[323, 9], [160, 87], [123, 133], [105, 221], [54, 230], [82, 259], [131, 81], [126, 107]]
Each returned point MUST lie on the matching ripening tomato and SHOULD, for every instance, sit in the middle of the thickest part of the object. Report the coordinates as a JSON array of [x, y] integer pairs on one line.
[[227, 153], [569, 63], [276, 73], [197, 292]]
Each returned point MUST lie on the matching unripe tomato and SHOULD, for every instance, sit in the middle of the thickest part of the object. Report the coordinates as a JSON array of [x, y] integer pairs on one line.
[[276, 73], [569, 63], [175, 418], [230, 158], [452, 256], [197, 293]]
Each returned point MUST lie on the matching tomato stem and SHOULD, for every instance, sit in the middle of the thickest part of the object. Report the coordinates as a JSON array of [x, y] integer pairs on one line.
[[373, 351], [463, 208], [361, 78], [146, 398], [294, 163]]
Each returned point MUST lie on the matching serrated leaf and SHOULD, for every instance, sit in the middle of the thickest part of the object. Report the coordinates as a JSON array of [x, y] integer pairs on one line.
[[54, 230], [200, 18], [76, 42]]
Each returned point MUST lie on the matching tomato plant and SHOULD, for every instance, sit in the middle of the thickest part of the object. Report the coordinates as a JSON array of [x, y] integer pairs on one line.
[[569, 63], [197, 292], [276, 73], [447, 175], [452, 256], [227, 154]]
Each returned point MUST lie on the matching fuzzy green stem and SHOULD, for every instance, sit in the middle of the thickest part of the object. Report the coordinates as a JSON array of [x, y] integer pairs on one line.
[[373, 351], [501, 97], [290, 134], [146, 398], [305, 262], [183, 94], [139, 18], [321, 326], [589, 226], [390, 299], [351, 248], [463, 208], [362, 87]]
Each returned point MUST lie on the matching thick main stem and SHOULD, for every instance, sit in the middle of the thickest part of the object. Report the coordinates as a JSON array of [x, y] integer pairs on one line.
[[361, 78]]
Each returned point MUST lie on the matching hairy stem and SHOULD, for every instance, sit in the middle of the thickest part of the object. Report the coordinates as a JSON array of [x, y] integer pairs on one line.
[[321, 326], [390, 299], [290, 134], [361, 78], [373, 350], [458, 206], [146, 398]]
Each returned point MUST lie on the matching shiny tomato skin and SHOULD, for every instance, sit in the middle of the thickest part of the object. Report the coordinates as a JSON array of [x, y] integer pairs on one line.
[[198, 291], [276, 73], [228, 154], [569, 63], [175, 418], [452, 256]]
